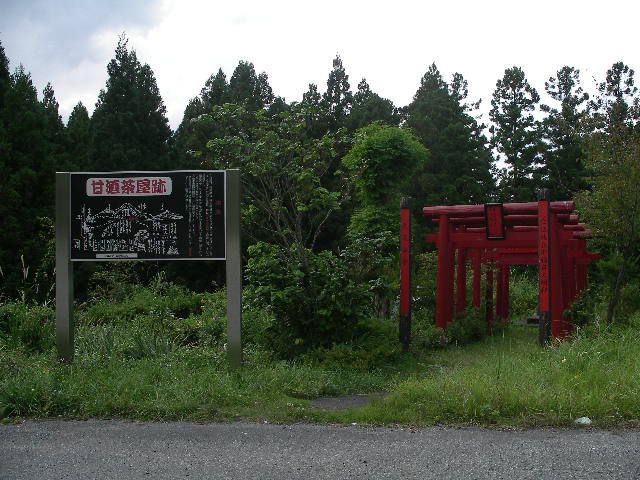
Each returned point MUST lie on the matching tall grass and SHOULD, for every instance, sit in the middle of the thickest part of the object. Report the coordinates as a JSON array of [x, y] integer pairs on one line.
[[159, 353], [509, 380]]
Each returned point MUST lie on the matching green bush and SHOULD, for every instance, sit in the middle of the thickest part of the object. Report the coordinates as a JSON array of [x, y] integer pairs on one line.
[[312, 298], [127, 301], [467, 327], [523, 292], [424, 280], [377, 347], [30, 325]]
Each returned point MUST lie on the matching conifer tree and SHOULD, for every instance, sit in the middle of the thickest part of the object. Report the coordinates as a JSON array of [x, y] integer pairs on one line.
[[27, 169], [370, 107], [563, 159], [5, 79], [246, 86], [78, 138], [516, 135], [129, 127], [612, 205], [459, 167], [338, 99], [215, 90], [315, 115]]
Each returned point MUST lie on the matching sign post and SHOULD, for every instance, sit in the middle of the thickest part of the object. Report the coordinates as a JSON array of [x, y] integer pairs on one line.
[[544, 257], [172, 215], [405, 273], [64, 269], [234, 269]]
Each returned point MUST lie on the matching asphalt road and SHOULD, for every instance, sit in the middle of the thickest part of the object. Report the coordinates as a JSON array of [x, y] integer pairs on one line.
[[129, 450]]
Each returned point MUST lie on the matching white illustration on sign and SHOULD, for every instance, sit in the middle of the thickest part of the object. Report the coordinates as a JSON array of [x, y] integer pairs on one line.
[[128, 229]]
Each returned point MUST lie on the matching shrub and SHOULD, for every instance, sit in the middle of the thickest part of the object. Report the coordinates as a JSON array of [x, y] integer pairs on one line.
[[523, 292], [424, 280], [127, 301], [30, 325], [375, 348], [467, 327], [314, 301]]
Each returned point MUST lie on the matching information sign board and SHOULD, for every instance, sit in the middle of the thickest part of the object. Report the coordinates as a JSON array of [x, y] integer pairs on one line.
[[176, 215]]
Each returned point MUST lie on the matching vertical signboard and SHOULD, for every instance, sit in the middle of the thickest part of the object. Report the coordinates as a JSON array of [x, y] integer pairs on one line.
[[405, 273], [544, 269], [171, 215], [494, 218]]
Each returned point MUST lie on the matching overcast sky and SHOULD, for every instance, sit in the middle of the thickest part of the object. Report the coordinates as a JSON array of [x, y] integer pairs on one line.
[[391, 43]]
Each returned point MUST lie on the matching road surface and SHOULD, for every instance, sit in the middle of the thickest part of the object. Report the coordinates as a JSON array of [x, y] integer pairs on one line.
[[102, 449]]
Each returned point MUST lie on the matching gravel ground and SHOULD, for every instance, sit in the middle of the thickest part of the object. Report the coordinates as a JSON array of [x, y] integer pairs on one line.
[[103, 449]]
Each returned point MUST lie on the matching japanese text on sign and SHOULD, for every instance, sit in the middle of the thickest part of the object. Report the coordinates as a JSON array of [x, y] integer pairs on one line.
[[495, 221], [128, 186], [543, 255]]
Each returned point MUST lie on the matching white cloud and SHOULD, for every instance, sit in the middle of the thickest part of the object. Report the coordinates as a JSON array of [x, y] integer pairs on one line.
[[389, 43]]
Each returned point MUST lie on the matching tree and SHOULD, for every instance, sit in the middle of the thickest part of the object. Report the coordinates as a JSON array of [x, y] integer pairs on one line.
[[5, 77], [215, 90], [129, 127], [5, 84], [617, 108], [286, 174], [516, 134], [338, 99], [612, 206], [314, 113], [381, 165], [291, 194], [78, 138], [246, 86], [459, 166], [369, 107], [27, 169], [563, 158]]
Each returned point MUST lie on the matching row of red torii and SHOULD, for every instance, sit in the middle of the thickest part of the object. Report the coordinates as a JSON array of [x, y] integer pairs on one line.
[[544, 233]]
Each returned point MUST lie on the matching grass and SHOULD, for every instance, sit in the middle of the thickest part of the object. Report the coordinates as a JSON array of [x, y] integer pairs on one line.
[[159, 355], [504, 380], [510, 381]]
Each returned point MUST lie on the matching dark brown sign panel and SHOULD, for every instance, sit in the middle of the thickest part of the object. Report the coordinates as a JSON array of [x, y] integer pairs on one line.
[[544, 305], [174, 215], [494, 217]]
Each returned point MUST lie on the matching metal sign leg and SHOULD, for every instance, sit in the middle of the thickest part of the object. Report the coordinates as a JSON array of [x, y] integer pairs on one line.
[[234, 269], [64, 269]]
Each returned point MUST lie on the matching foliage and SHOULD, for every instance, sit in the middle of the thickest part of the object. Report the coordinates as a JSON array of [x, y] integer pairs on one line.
[[314, 302], [28, 157], [338, 99], [458, 169], [129, 127], [516, 134], [29, 325], [382, 160], [563, 130], [612, 205], [369, 107], [373, 349], [381, 164], [424, 277], [467, 327], [523, 292], [287, 177]]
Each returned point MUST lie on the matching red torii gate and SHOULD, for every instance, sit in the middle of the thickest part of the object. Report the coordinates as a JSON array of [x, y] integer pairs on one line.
[[500, 235]]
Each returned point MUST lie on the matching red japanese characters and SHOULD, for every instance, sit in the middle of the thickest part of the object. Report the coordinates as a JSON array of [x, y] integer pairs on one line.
[[128, 186]]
